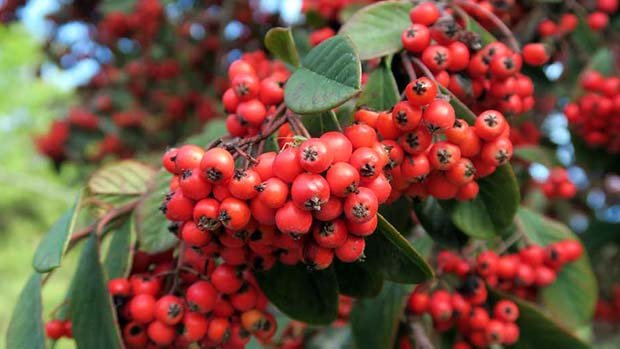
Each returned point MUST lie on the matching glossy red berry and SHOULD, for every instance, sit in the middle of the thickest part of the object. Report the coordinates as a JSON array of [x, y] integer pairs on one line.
[[330, 234], [273, 192], [360, 207], [424, 13], [243, 184], [439, 115], [169, 310], [421, 92], [160, 333], [201, 296], [444, 156], [343, 179], [406, 117], [352, 249], [217, 165], [234, 213], [416, 38], [54, 329], [194, 326], [317, 257], [142, 308], [416, 141], [292, 220], [287, 164], [119, 287], [315, 156], [535, 54], [506, 310], [437, 57], [490, 124], [339, 145], [310, 191]]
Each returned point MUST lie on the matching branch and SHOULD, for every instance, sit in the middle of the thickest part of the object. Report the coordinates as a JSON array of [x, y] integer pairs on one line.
[[419, 336], [498, 23]]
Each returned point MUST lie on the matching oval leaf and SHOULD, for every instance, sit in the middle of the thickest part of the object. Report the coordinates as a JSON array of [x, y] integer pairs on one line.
[[279, 41], [128, 177], [151, 224], [120, 252], [374, 322], [537, 330], [494, 208], [52, 247], [308, 296], [380, 91], [92, 315], [572, 298], [536, 153], [388, 252], [437, 223], [376, 29], [26, 326], [329, 76], [356, 281]]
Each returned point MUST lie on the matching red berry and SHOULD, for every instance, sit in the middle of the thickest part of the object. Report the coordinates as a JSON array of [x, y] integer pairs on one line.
[[421, 92], [490, 124], [406, 117], [310, 191], [360, 207], [361, 135], [234, 213], [506, 310], [439, 115], [535, 54], [169, 310], [134, 335], [252, 112], [287, 164], [424, 13], [243, 183], [437, 57], [497, 152], [343, 179], [54, 329], [330, 234], [416, 38], [217, 165], [352, 249], [418, 303], [188, 157], [119, 287], [160, 333], [142, 308], [339, 145], [315, 155], [201, 297], [194, 326], [292, 220], [444, 156], [273, 192], [317, 257], [416, 141]]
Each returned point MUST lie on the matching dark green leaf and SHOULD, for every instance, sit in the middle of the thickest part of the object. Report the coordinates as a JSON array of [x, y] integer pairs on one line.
[[151, 224], [279, 41], [599, 234], [380, 91], [93, 319], [51, 249], [329, 76], [26, 327], [437, 223], [398, 214], [494, 208], [120, 252], [374, 322], [127, 177], [308, 296], [357, 281], [535, 153], [602, 61], [537, 330], [376, 29], [317, 124], [572, 298], [388, 252]]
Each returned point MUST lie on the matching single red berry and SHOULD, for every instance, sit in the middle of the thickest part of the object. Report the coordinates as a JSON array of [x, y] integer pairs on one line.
[[421, 92], [273, 192], [252, 112], [506, 310], [287, 164], [144, 284], [416, 141], [245, 299], [206, 214], [201, 297], [535, 54], [440, 187], [367, 162], [459, 53], [444, 156], [418, 302], [188, 157], [406, 117], [264, 165], [271, 92], [361, 135], [315, 156], [332, 209], [343, 179], [217, 165], [317, 257], [193, 235], [54, 329], [497, 152], [243, 183], [490, 124], [330, 234], [462, 172], [134, 335], [439, 115], [234, 213], [310, 191], [194, 326], [494, 331], [230, 100], [193, 185], [292, 220], [119, 287], [168, 160], [160, 333], [245, 86], [339, 145], [142, 308], [416, 38], [415, 168], [352, 250], [362, 229], [510, 335], [366, 116], [218, 330], [437, 57], [478, 318], [169, 310], [360, 207], [425, 13], [239, 67]]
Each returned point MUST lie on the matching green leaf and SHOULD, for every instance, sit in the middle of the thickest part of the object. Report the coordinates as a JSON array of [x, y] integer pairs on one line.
[[127, 177], [374, 322], [317, 124], [279, 41], [376, 29], [485, 36], [211, 131], [537, 330], [52, 247], [394, 213], [329, 76], [492, 210], [461, 110], [120, 252], [380, 91], [389, 253], [26, 327], [308, 296], [93, 319], [437, 223], [151, 224], [535, 153], [357, 281], [602, 61], [572, 298]]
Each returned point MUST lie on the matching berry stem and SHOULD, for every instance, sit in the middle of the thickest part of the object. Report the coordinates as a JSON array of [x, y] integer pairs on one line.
[[505, 245], [498, 23], [295, 121], [334, 117], [404, 57], [418, 335]]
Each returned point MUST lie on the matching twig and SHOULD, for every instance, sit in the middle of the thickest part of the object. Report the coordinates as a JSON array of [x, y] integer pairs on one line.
[[419, 336], [511, 241], [296, 122], [404, 57], [335, 120], [498, 23]]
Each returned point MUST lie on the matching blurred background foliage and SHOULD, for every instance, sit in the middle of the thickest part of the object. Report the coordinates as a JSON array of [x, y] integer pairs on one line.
[[32, 193]]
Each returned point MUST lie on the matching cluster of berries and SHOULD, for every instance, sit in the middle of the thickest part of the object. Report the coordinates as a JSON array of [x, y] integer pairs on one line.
[[255, 90], [479, 322], [597, 19], [142, 23], [526, 133], [521, 273], [595, 115], [56, 329], [483, 77], [222, 306], [608, 311], [429, 151], [558, 185], [310, 201]]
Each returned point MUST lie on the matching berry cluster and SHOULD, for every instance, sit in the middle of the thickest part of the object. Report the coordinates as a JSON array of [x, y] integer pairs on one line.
[[430, 152], [56, 329], [559, 185], [521, 273], [255, 90], [595, 116], [597, 19], [483, 77], [478, 322]]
